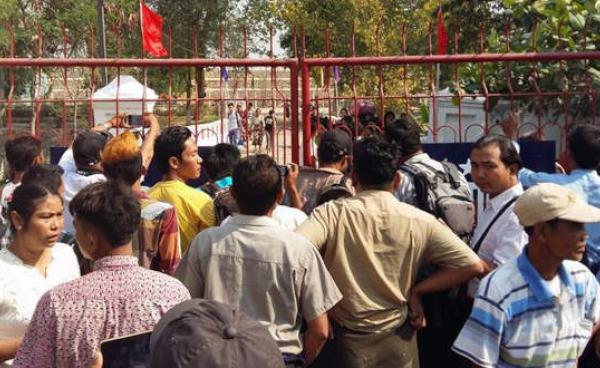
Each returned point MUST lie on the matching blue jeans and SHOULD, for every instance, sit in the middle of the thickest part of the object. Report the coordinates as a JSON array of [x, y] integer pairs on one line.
[[234, 136]]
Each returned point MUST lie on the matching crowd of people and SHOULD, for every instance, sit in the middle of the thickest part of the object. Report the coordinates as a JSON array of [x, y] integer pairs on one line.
[[371, 259]]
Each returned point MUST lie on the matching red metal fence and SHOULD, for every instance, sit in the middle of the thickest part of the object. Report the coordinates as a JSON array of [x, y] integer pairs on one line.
[[309, 96]]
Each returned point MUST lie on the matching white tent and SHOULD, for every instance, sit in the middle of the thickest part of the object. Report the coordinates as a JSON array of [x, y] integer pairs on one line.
[[129, 89]]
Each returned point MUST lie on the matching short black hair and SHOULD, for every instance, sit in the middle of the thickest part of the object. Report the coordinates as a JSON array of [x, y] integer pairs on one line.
[[256, 184], [334, 145], [222, 159], [128, 171], [111, 208], [508, 153], [46, 175], [584, 144], [170, 143], [404, 135], [374, 162], [21, 151], [25, 199]]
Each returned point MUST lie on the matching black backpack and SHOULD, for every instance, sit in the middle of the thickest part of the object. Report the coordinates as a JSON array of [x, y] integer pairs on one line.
[[444, 195]]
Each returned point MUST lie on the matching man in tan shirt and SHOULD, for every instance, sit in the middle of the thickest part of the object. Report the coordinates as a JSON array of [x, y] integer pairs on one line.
[[373, 246]]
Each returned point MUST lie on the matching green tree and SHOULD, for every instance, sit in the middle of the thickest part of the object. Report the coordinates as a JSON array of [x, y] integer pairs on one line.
[[544, 26]]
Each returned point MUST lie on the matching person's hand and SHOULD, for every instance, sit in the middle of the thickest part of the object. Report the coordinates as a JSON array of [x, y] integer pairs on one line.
[[98, 360], [117, 121], [416, 312], [150, 120], [510, 126], [292, 177]]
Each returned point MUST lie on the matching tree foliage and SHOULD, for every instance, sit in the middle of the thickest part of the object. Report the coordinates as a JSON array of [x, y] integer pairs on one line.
[[543, 26]]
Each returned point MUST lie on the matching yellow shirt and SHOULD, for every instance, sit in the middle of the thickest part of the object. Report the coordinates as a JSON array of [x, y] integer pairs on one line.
[[195, 209], [373, 245]]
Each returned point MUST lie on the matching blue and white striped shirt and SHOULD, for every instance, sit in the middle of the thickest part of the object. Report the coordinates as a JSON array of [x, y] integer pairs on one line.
[[517, 321]]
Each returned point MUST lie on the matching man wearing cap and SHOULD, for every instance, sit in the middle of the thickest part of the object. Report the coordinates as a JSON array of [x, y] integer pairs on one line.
[[541, 308], [334, 154], [206, 333], [270, 273]]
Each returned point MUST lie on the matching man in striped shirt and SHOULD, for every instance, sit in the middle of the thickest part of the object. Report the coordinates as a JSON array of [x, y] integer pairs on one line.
[[541, 308]]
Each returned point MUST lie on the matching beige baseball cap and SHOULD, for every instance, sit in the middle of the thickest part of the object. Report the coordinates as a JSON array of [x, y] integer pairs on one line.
[[545, 202]]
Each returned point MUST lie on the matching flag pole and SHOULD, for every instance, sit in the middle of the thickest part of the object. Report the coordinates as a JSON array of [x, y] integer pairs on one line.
[[438, 71], [141, 26], [102, 39]]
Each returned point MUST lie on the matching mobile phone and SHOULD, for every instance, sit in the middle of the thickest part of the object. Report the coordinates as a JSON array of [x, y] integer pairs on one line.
[[135, 121], [283, 170], [131, 351]]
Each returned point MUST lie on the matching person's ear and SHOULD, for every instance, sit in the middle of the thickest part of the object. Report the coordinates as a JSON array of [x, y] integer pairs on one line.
[[174, 163], [397, 181], [280, 195], [39, 159], [514, 169], [17, 221], [543, 231]]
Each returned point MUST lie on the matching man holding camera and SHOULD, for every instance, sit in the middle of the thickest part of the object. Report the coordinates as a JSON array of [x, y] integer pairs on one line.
[[270, 273]]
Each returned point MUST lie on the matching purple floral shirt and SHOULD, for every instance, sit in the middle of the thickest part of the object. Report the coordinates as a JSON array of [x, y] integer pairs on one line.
[[119, 298]]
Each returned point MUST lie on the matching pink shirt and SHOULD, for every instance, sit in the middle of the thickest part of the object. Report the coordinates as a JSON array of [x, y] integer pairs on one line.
[[119, 298]]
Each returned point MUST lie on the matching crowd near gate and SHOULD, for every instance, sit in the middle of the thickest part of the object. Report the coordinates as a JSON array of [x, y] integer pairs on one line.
[[62, 92]]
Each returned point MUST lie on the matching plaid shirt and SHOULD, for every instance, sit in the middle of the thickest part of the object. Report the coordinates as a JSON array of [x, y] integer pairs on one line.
[[157, 243]]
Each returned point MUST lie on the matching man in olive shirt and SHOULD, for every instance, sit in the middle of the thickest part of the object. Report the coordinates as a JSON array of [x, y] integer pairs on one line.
[[373, 246]]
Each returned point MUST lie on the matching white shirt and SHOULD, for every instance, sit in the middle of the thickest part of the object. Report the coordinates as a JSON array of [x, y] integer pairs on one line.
[[73, 183], [233, 120], [288, 217], [506, 238], [22, 285]]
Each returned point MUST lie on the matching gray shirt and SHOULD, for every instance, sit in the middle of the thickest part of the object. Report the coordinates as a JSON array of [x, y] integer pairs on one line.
[[270, 273]]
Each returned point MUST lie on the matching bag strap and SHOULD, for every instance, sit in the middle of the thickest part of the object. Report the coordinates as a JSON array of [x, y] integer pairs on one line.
[[487, 230], [344, 180]]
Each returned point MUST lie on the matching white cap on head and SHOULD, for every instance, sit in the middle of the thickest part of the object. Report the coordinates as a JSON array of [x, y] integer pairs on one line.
[[545, 202]]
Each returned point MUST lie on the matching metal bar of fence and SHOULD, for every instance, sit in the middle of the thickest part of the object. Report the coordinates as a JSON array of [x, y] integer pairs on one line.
[[453, 58], [339, 98], [127, 62]]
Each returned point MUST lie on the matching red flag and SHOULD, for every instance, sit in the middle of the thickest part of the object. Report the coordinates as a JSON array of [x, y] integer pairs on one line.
[[152, 25], [442, 34]]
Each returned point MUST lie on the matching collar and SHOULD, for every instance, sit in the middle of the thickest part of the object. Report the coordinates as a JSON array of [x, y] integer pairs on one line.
[[538, 287], [583, 172], [419, 157], [115, 262], [224, 182], [376, 193], [252, 220], [498, 201], [330, 170]]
